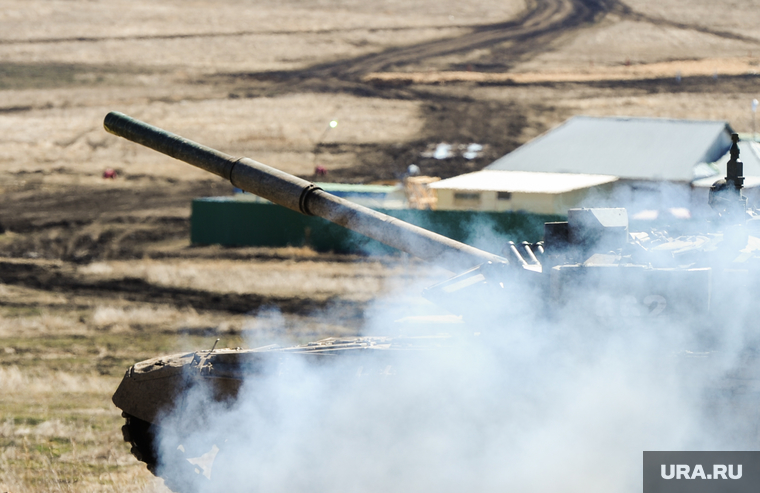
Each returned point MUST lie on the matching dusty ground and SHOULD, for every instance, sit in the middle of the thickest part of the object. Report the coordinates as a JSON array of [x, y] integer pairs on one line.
[[98, 274]]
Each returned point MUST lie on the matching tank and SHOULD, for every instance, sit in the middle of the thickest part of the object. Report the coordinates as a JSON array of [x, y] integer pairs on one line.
[[591, 264]]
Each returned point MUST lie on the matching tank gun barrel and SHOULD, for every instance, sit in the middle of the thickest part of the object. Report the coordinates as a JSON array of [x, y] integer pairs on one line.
[[302, 196]]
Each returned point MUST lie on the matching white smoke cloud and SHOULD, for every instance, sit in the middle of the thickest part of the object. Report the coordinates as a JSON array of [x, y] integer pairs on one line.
[[564, 400]]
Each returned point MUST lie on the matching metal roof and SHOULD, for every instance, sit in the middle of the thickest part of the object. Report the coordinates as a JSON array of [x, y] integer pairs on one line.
[[632, 148], [522, 181]]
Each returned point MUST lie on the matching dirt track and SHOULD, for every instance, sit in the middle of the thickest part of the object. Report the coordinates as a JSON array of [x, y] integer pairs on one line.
[[542, 22], [543, 19]]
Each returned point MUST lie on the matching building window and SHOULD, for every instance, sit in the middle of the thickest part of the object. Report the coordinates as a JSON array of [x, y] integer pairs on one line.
[[466, 199], [467, 196], [504, 195]]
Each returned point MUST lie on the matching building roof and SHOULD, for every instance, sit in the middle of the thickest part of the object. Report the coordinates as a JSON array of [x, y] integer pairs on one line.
[[631, 148], [521, 181]]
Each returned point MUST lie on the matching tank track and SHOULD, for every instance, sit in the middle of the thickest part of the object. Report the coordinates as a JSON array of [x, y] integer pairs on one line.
[[178, 475], [140, 435]]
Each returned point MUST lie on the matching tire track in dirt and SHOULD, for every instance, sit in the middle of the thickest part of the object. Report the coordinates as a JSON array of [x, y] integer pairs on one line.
[[627, 12], [62, 279], [545, 16], [543, 21], [232, 34]]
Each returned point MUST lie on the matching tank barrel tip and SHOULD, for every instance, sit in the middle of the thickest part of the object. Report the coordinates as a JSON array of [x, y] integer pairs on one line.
[[114, 120]]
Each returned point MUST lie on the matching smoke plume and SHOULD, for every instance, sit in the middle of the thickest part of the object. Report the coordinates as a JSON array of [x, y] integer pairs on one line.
[[523, 398]]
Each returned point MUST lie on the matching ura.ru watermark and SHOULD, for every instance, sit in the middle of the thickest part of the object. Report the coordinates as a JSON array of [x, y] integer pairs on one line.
[[684, 471], [701, 472]]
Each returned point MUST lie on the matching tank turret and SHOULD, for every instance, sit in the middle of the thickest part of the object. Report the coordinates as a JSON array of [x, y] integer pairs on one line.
[[686, 275]]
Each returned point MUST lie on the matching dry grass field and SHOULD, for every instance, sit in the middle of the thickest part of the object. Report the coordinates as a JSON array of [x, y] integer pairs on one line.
[[95, 274]]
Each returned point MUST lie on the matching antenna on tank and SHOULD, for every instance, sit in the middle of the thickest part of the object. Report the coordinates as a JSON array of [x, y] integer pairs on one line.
[[214, 346]]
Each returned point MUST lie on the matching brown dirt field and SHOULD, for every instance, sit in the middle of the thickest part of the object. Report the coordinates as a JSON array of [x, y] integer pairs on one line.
[[97, 274]]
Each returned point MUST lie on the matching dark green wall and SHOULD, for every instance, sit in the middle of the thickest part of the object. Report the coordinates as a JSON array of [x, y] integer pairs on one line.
[[229, 222]]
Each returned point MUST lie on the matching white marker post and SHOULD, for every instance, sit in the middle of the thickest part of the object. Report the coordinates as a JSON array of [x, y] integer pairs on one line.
[[330, 126]]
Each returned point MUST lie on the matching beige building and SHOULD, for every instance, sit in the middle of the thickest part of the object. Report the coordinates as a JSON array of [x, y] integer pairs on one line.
[[497, 190], [643, 164]]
